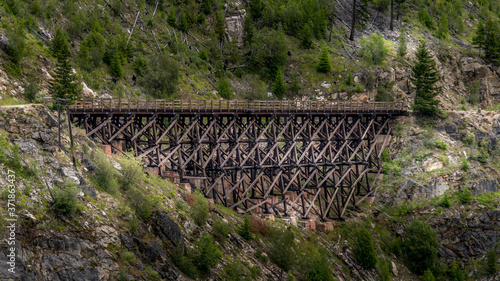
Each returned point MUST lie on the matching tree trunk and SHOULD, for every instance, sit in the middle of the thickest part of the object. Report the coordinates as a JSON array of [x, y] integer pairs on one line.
[[351, 37], [391, 27]]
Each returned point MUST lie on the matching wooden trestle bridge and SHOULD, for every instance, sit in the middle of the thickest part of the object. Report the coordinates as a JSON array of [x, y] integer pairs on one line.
[[317, 157]]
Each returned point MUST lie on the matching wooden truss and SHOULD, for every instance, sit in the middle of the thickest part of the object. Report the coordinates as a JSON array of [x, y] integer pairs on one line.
[[314, 164]]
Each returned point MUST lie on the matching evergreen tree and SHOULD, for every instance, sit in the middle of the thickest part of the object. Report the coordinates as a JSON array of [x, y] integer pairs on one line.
[[324, 61], [491, 262], [115, 66], [424, 78], [420, 246], [306, 36], [402, 43], [220, 24], [487, 37], [245, 229], [58, 43], [442, 31], [279, 85], [183, 24], [16, 47], [256, 8], [64, 84], [248, 31], [171, 18]]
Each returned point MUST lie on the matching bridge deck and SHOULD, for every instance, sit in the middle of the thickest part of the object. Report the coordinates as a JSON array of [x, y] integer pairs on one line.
[[144, 106]]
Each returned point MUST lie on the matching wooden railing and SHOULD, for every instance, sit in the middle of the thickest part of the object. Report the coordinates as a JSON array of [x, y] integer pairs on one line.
[[167, 105]]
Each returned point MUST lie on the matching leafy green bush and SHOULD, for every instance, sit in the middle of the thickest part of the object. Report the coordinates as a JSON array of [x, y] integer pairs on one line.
[[456, 273], [207, 254], [132, 173], [465, 164], [128, 257], [491, 262], [245, 229], [445, 201], [314, 264], [106, 176], [425, 19], [469, 139], [282, 249], [16, 47], [483, 156], [364, 249], [239, 270], [428, 276], [162, 77], [224, 88], [65, 202], [184, 262], [385, 155], [464, 195], [144, 205], [420, 246], [441, 145], [220, 230], [373, 49], [199, 209]]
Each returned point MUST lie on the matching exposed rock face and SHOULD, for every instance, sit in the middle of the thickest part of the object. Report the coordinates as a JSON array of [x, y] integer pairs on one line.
[[167, 228], [235, 25], [469, 235]]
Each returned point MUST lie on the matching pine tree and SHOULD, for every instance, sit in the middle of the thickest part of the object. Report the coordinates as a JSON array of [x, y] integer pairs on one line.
[[171, 18], [487, 37], [245, 229], [491, 262], [220, 24], [248, 31], [425, 76], [64, 84], [279, 85], [58, 43], [306, 36], [256, 8], [115, 66], [402, 43], [324, 61], [183, 25]]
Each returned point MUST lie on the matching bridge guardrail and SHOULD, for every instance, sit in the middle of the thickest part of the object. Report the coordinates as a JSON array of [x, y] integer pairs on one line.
[[171, 105]]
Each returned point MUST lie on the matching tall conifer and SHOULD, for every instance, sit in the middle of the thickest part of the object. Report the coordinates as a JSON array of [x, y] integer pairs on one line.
[[424, 78]]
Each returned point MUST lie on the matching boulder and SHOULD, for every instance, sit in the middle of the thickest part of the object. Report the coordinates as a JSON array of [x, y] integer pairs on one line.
[[48, 119], [166, 228]]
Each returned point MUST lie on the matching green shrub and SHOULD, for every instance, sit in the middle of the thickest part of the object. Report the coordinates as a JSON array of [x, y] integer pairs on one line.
[[143, 204], [384, 92], [16, 47], [128, 257], [384, 265], [65, 202], [442, 31], [245, 229], [206, 254], [469, 139], [420, 246], [373, 49], [491, 262], [428, 276], [199, 209], [385, 155], [184, 262], [445, 201], [465, 164], [425, 19], [364, 249], [464, 196], [224, 88], [132, 173], [281, 251], [240, 270], [106, 176], [441, 145], [162, 77], [314, 265], [220, 230], [456, 273], [483, 156], [402, 43]]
